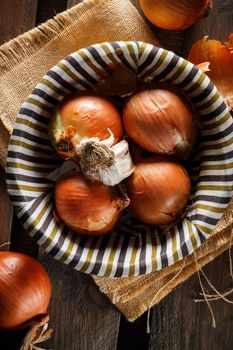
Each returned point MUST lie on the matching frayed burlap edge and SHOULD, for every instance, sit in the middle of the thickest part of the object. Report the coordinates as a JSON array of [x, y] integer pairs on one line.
[[135, 295], [15, 50], [114, 21]]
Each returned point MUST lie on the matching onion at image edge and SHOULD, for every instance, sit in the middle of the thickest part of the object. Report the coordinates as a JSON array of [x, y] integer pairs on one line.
[[175, 14], [90, 208], [158, 190], [219, 57], [25, 291], [161, 121]]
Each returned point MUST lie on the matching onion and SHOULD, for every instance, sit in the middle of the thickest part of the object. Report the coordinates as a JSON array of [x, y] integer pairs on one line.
[[161, 121], [175, 14], [220, 58], [90, 208], [83, 115], [25, 292], [158, 190], [87, 129]]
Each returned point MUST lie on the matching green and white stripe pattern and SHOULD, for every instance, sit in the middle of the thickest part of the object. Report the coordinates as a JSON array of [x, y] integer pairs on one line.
[[131, 249]]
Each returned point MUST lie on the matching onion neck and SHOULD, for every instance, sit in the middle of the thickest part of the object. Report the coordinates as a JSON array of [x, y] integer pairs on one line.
[[183, 150], [38, 332]]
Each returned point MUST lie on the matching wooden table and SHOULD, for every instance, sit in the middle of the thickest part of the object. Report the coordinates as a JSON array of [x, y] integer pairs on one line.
[[83, 318]]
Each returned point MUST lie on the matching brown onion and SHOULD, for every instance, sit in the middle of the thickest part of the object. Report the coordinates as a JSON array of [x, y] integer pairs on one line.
[[83, 115], [25, 291], [220, 59], [175, 14], [161, 121], [90, 208], [158, 190]]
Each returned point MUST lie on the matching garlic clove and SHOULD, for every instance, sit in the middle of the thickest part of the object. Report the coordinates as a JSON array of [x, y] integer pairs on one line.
[[220, 57], [121, 148]]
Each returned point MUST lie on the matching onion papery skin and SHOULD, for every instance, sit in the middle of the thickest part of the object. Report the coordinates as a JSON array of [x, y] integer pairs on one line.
[[25, 290], [161, 121], [90, 208], [220, 58], [158, 190], [174, 14], [83, 115]]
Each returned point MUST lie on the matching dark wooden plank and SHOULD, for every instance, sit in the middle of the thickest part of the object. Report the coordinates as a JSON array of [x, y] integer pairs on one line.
[[133, 335], [75, 294], [180, 323], [48, 9], [21, 241], [16, 17], [5, 213], [81, 316], [218, 25]]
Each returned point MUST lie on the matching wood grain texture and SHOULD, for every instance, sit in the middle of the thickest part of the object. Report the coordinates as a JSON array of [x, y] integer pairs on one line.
[[180, 323], [16, 18], [218, 25], [5, 212], [21, 241], [81, 316], [48, 9]]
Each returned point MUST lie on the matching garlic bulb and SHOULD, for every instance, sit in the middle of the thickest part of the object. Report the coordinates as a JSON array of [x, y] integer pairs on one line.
[[104, 161]]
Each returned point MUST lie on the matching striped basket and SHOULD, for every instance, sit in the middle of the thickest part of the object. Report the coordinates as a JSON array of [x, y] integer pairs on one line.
[[132, 248]]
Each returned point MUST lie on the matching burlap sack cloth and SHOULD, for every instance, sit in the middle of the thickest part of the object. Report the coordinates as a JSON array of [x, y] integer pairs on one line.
[[23, 62]]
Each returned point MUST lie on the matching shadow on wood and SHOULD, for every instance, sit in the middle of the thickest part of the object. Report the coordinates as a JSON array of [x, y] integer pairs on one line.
[[85, 318]]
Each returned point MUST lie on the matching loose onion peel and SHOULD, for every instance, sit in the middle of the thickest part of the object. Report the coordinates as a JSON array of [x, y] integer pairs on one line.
[[220, 58]]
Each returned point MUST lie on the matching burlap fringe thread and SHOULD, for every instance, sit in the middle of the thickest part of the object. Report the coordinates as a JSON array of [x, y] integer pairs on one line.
[[129, 298], [31, 42], [206, 296], [136, 295], [38, 37], [114, 21]]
